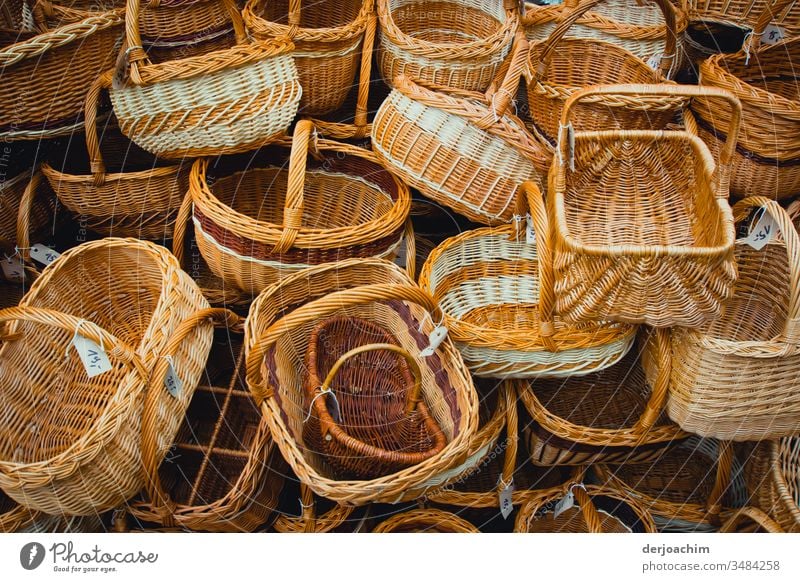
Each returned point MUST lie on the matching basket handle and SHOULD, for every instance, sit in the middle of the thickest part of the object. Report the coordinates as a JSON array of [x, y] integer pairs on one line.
[[91, 104], [181, 227], [660, 388], [162, 504], [501, 93], [24, 222], [294, 17], [791, 329], [753, 514], [722, 172], [721, 481], [512, 436], [411, 249], [319, 309], [753, 41], [293, 206]]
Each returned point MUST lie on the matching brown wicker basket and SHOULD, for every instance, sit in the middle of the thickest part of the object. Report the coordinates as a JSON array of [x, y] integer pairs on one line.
[[170, 24], [78, 451], [642, 229], [745, 13], [773, 480], [425, 521], [279, 327]]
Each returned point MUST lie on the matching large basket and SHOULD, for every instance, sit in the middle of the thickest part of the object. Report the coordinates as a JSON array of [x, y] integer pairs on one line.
[[380, 292], [767, 158], [45, 77], [223, 102], [773, 480], [425, 521], [496, 291], [343, 205], [455, 43], [138, 201], [737, 377], [460, 149], [327, 35], [642, 229], [611, 416], [78, 450]]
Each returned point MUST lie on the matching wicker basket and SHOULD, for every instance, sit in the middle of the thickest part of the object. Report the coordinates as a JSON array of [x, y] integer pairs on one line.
[[737, 377], [218, 476], [594, 509], [773, 479], [77, 452], [455, 43], [170, 24], [425, 521], [461, 150], [611, 416], [750, 520], [46, 76], [382, 293], [766, 83], [307, 220], [223, 102], [642, 229], [495, 289], [15, 518], [745, 13], [327, 35], [134, 201], [645, 29]]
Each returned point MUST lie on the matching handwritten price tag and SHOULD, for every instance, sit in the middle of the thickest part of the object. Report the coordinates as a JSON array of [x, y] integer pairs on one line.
[[762, 232], [773, 34], [435, 339], [172, 382], [507, 500], [13, 269], [568, 502], [43, 255], [530, 235], [93, 357]]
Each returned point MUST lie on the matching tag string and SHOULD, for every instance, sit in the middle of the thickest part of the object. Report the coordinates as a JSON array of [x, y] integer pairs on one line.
[[77, 334], [313, 400]]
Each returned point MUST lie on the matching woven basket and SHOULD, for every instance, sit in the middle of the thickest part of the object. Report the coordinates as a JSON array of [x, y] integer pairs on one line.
[[46, 76], [745, 13], [595, 509], [750, 520], [219, 476], [425, 521], [165, 24], [736, 378], [461, 150], [767, 158], [307, 220], [380, 292], [134, 201], [645, 29], [16, 518], [773, 479], [495, 289], [327, 35], [222, 102], [560, 67], [77, 452], [611, 416], [686, 489], [643, 232]]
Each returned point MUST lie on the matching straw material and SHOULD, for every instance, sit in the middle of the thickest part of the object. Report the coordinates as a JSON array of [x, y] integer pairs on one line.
[[223, 102], [327, 35], [78, 450], [425, 521], [643, 232], [462, 150], [611, 416], [746, 13], [454, 43], [773, 479], [46, 76], [380, 292], [251, 242], [737, 377], [39, 211], [496, 291]]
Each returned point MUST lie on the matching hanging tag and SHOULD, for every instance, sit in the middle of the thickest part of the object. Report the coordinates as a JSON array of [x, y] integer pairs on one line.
[[567, 503], [13, 269], [530, 235], [654, 62], [571, 146], [172, 382], [43, 255], [762, 232], [94, 358], [773, 34], [506, 500], [435, 339]]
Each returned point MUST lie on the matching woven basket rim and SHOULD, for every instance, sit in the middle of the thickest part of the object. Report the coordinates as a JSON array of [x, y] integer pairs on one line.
[[323, 35]]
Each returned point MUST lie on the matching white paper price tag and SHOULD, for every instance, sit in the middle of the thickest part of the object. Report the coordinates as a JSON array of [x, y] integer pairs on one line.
[[172, 382], [435, 339], [43, 255], [773, 34], [94, 358], [566, 503], [654, 62], [13, 269], [530, 235], [507, 500], [764, 230]]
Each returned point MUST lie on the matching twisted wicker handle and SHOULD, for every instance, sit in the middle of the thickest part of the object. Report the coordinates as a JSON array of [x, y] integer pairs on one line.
[[512, 435], [589, 512], [660, 388], [753, 514], [500, 98], [791, 329], [91, 104], [753, 41], [308, 522], [321, 308], [181, 227], [721, 481], [162, 503], [293, 206], [722, 173], [24, 222], [411, 249]]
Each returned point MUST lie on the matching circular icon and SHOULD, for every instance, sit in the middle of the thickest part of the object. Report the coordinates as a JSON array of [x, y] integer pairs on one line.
[[31, 555]]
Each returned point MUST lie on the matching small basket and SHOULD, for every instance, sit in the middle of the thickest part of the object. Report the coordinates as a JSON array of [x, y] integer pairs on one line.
[[767, 158], [78, 451], [495, 289], [139, 201], [773, 479], [327, 35], [279, 328], [343, 205], [642, 229], [425, 521], [456, 43], [223, 102], [460, 149], [737, 377], [612, 416], [45, 77]]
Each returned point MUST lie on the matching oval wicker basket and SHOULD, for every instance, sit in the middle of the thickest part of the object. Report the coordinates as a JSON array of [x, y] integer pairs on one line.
[[454, 43], [773, 480], [425, 521], [78, 451], [382, 293]]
